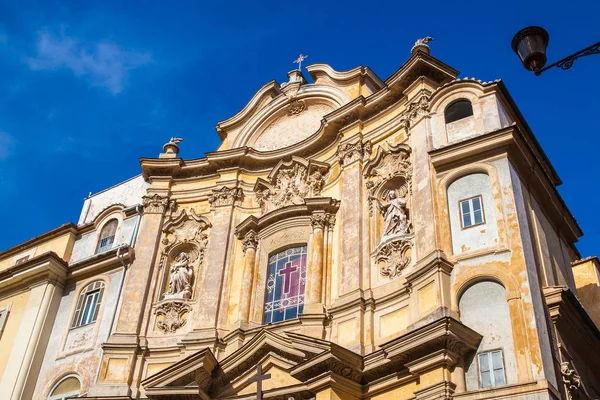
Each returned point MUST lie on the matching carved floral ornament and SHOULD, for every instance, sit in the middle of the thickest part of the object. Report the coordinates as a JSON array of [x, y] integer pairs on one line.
[[172, 315], [226, 196], [155, 204], [250, 240], [349, 152], [393, 256], [414, 110], [570, 379], [290, 182]]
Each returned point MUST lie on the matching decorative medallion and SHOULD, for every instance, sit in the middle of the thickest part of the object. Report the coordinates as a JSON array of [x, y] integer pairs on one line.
[[172, 315], [296, 107], [393, 257]]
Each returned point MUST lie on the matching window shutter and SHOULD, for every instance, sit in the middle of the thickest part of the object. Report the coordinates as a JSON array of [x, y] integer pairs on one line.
[[78, 309], [3, 317], [98, 303]]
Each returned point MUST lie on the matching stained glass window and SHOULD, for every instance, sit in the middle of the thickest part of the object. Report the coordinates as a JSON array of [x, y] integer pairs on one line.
[[286, 280]]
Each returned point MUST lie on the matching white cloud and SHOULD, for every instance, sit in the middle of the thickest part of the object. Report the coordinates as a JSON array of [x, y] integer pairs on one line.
[[6, 143], [104, 64]]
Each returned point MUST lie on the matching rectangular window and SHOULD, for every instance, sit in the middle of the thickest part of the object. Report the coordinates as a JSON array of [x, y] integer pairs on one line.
[[21, 260], [105, 244], [89, 307], [491, 369], [286, 280], [471, 212]]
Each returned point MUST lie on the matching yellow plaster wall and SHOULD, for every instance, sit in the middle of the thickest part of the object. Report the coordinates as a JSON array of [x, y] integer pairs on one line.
[[587, 280], [61, 245], [18, 304]]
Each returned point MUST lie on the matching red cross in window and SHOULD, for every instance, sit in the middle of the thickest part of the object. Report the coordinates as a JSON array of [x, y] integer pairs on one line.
[[287, 274]]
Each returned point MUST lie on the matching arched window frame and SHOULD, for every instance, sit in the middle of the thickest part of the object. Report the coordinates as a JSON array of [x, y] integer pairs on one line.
[[84, 315], [459, 107], [106, 243], [65, 395]]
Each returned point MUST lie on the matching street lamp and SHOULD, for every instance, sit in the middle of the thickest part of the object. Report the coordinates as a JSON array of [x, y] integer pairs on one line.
[[530, 45]]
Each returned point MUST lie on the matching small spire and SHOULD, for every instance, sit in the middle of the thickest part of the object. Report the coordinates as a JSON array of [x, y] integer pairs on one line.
[[171, 148]]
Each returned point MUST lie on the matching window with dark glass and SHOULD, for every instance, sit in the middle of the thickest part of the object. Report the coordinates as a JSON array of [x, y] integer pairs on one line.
[[286, 281], [458, 110], [88, 304], [107, 236], [491, 369], [471, 212]]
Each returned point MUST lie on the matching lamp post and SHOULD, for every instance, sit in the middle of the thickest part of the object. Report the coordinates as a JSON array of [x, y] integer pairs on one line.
[[530, 45]]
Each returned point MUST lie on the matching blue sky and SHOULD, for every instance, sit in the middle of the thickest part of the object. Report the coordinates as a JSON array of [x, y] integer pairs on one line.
[[87, 88]]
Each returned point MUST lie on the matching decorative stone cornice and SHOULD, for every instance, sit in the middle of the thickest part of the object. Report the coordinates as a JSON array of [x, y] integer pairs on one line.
[[155, 204], [327, 205], [250, 241], [350, 152], [225, 196]]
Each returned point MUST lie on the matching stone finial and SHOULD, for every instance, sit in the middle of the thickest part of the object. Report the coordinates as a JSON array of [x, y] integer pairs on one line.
[[171, 148], [421, 45]]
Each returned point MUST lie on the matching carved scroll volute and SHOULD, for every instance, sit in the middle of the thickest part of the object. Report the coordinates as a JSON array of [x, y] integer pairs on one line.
[[290, 182]]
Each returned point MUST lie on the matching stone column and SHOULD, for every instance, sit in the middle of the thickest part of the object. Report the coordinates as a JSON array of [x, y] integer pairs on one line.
[[135, 291], [249, 244], [350, 156], [314, 274], [223, 202]]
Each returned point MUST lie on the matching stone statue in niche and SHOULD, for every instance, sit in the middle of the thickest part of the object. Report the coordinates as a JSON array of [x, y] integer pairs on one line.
[[395, 215], [180, 284]]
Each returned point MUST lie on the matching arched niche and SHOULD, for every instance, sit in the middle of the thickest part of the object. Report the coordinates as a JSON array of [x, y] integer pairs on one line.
[[483, 308]]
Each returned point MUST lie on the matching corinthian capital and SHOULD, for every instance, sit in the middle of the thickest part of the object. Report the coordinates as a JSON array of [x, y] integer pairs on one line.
[[225, 196], [155, 204], [250, 240], [349, 152], [318, 220]]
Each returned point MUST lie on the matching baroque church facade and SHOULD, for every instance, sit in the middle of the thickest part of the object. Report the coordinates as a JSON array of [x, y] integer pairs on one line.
[[351, 238]]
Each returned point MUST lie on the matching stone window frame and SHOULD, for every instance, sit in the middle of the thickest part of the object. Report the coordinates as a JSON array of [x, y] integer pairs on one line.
[[66, 395], [490, 351], [80, 299], [277, 230], [458, 103], [115, 211], [471, 212]]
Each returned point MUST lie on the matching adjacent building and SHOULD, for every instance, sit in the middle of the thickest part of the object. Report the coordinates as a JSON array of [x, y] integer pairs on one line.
[[351, 238]]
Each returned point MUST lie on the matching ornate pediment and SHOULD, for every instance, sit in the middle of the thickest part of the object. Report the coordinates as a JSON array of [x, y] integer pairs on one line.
[[290, 182], [294, 361]]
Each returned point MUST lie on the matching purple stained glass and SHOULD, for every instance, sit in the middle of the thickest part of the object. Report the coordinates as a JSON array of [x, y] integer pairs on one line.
[[286, 280]]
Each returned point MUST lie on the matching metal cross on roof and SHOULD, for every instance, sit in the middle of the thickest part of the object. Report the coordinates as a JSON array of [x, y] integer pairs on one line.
[[299, 60], [258, 379]]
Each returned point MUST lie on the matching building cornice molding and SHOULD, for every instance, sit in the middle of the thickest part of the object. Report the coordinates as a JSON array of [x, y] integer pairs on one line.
[[69, 227], [45, 268], [327, 205], [359, 109]]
